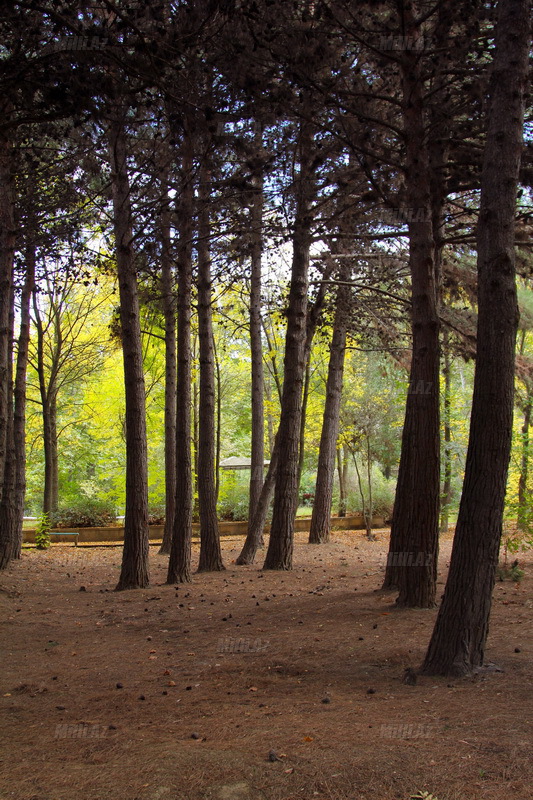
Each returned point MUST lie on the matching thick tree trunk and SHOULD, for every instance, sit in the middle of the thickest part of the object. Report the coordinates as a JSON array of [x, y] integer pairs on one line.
[[280, 547], [256, 345], [412, 560], [457, 646], [321, 516], [134, 573], [179, 566], [210, 553], [7, 249], [169, 312]]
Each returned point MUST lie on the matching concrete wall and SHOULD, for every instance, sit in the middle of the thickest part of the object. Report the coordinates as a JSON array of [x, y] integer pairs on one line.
[[116, 533]]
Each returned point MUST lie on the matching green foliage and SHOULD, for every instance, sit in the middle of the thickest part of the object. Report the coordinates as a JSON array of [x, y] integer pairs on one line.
[[233, 495], [86, 513], [511, 572], [42, 532], [383, 491]]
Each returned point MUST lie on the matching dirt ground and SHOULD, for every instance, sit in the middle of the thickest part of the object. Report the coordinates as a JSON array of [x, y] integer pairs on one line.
[[251, 685]]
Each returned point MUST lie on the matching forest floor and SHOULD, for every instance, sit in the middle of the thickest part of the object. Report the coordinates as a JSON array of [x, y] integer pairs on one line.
[[251, 685]]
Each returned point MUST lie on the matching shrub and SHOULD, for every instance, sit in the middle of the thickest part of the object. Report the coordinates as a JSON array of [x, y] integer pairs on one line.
[[233, 496], [42, 532], [87, 513]]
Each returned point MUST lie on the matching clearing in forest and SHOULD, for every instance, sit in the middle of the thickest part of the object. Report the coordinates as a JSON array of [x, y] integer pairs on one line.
[[251, 685]]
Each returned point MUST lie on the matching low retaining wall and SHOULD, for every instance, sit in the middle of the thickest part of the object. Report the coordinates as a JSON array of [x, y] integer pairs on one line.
[[116, 533]]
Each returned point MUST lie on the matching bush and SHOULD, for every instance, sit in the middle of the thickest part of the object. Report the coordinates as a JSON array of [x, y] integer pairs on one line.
[[233, 496], [383, 492], [84, 514], [42, 532]]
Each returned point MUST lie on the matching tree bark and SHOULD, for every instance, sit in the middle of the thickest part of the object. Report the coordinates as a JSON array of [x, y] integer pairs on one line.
[[169, 313], [524, 461], [7, 503], [412, 560], [280, 547], [134, 572], [7, 250], [458, 643], [210, 553], [179, 566], [447, 466], [255, 530], [321, 516], [256, 345], [19, 414], [47, 391], [254, 537]]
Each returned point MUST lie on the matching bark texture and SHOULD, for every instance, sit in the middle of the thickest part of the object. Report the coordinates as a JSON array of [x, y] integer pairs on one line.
[[321, 516], [7, 249], [412, 560], [13, 515], [280, 547], [134, 573], [210, 552], [7, 503], [169, 313], [179, 566], [256, 346], [457, 646]]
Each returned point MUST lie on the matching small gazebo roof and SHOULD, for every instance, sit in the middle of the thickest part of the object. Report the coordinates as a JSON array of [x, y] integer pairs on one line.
[[238, 462]]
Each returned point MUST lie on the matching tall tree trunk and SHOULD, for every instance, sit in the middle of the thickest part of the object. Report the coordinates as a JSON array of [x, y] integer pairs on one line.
[[412, 562], [179, 566], [7, 250], [210, 553], [255, 530], [169, 313], [48, 439], [135, 572], [447, 466], [7, 503], [256, 346], [280, 547], [195, 432], [19, 414], [459, 638], [218, 426], [321, 516], [524, 461], [305, 398], [54, 455]]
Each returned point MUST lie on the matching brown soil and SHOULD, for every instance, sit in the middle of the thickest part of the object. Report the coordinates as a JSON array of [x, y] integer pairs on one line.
[[251, 686]]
